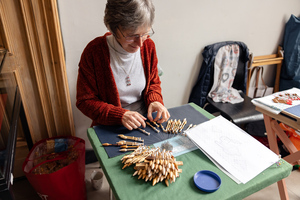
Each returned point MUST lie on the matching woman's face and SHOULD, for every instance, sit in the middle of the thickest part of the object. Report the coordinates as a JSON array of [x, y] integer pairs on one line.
[[132, 41]]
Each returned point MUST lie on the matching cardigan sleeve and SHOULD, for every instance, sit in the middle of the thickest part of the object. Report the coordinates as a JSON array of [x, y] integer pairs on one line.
[[153, 90], [91, 100]]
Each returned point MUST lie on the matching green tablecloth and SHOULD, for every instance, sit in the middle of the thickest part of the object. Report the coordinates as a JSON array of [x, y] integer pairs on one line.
[[125, 186]]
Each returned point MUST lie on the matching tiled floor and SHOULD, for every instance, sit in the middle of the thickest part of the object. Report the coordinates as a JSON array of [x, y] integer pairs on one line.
[[271, 192], [92, 194], [23, 190]]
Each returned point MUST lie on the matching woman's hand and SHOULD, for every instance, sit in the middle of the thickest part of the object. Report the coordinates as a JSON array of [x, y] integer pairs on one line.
[[162, 113], [133, 120]]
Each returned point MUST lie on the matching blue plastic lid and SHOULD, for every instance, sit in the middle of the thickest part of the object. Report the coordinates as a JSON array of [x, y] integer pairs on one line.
[[207, 181]]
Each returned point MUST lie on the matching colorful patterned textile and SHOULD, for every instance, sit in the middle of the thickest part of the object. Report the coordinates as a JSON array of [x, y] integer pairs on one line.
[[225, 67]]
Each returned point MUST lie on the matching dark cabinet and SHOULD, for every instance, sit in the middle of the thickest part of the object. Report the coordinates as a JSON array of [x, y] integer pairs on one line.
[[12, 120]]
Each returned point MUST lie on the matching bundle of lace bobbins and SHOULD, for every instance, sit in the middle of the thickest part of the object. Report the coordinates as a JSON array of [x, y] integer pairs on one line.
[[127, 145], [173, 126], [130, 146], [153, 165]]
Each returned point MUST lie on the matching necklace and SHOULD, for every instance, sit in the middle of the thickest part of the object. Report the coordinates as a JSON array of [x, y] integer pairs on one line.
[[127, 78]]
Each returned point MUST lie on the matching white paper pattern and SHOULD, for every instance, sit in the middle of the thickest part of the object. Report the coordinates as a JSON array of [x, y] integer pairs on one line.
[[232, 148]]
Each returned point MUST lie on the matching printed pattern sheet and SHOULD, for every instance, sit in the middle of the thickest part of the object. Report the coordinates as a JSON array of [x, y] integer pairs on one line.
[[233, 149]]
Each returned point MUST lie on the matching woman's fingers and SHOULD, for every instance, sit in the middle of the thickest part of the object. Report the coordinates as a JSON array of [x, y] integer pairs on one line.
[[133, 120], [162, 113], [164, 117]]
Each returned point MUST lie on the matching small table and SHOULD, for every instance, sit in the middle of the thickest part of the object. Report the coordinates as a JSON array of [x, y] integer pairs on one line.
[[125, 186], [273, 130]]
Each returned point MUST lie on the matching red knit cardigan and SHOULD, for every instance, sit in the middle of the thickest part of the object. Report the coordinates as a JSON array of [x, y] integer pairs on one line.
[[97, 94]]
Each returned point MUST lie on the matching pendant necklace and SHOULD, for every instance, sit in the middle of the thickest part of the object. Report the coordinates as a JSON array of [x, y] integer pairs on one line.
[[127, 78]]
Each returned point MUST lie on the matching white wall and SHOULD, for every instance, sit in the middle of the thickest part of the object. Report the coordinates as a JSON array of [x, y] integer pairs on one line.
[[182, 30]]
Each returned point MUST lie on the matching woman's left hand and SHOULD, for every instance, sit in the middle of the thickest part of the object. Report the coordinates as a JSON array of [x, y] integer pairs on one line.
[[162, 113]]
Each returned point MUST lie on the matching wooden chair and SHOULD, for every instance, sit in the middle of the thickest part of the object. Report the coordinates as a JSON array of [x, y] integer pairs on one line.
[[273, 59]]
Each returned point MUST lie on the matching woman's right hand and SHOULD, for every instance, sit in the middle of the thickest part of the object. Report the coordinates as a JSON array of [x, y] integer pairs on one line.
[[133, 120]]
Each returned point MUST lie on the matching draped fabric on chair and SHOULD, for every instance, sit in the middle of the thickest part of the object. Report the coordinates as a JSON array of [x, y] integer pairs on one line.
[[212, 73], [225, 68], [204, 81]]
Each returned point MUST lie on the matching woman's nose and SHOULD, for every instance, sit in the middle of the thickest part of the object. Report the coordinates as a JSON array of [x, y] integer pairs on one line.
[[139, 41]]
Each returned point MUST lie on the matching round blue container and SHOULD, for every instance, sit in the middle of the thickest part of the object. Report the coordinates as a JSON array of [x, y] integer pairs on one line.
[[207, 181]]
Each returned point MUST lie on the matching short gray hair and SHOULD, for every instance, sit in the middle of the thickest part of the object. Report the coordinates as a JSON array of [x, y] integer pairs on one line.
[[128, 14]]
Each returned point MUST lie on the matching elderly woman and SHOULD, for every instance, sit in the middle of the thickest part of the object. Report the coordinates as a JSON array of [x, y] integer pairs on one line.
[[118, 80]]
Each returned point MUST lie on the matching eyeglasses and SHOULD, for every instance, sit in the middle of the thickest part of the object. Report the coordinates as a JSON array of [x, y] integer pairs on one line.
[[134, 37]]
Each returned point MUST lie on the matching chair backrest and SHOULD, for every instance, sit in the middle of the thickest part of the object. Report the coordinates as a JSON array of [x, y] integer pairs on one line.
[[240, 78]]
